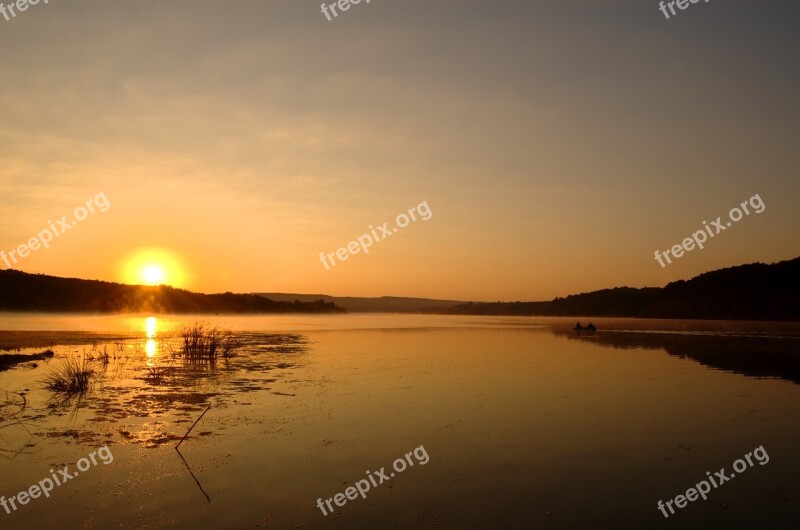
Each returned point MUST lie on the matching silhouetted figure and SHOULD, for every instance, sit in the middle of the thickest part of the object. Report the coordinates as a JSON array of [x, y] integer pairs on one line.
[[578, 327], [591, 327]]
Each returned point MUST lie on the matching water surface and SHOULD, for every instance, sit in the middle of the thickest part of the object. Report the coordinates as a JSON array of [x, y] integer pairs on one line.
[[526, 423]]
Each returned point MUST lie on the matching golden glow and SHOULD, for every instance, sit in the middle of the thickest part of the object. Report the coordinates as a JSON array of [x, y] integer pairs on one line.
[[150, 325], [154, 267], [153, 275], [150, 348]]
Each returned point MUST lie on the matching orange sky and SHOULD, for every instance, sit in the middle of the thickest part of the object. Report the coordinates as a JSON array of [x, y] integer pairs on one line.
[[558, 145]]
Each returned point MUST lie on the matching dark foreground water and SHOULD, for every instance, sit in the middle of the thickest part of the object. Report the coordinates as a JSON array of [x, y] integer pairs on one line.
[[496, 422]]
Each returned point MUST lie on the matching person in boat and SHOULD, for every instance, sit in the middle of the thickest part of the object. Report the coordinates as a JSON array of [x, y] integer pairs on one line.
[[578, 327], [591, 327]]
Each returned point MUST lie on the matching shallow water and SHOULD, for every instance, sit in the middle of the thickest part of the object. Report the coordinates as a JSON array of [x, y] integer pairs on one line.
[[525, 423]]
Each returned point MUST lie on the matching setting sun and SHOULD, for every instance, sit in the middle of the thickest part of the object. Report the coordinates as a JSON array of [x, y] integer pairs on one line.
[[153, 275], [154, 267]]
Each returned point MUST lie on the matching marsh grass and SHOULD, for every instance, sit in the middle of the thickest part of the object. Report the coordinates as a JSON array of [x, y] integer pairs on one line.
[[11, 406], [155, 375], [72, 377], [104, 357], [199, 342]]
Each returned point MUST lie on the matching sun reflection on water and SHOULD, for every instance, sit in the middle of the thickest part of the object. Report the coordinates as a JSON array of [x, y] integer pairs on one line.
[[151, 348], [150, 324]]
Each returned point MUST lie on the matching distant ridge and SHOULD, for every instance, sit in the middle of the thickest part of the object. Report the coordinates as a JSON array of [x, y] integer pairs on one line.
[[20, 291], [754, 291], [382, 304], [746, 292]]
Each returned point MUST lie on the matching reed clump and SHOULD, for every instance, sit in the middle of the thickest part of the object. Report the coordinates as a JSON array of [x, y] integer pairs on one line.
[[73, 376], [202, 342]]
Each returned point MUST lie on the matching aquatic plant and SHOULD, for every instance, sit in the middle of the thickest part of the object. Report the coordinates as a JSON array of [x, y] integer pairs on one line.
[[104, 357], [201, 342], [11, 405], [155, 375], [73, 376]]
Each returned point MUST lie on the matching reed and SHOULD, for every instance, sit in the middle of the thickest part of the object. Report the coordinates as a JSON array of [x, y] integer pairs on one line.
[[73, 376], [201, 342]]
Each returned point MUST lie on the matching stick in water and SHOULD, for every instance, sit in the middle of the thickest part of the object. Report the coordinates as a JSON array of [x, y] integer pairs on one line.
[[192, 427]]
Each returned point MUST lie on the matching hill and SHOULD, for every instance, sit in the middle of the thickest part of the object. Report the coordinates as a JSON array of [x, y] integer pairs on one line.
[[383, 304], [20, 291], [755, 291]]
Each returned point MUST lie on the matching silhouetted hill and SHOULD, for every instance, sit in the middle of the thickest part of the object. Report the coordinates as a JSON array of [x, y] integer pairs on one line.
[[20, 291], [746, 292], [383, 304]]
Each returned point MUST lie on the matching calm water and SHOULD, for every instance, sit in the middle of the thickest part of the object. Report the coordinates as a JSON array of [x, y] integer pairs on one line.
[[526, 424]]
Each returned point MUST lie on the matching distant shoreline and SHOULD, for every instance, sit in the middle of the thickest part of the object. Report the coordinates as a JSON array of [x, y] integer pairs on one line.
[[756, 291]]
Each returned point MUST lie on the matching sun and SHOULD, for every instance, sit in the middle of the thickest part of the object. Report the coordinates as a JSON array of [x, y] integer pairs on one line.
[[151, 266], [153, 275]]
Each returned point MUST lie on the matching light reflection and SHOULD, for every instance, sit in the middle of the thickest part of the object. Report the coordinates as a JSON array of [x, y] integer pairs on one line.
[[150, 327], [151, 348]]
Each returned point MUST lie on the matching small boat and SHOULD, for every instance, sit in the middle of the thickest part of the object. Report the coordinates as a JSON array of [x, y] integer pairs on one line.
[[590, 327]]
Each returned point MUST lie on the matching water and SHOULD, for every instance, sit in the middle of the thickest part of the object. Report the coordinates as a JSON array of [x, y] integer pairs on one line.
[[525, 423]]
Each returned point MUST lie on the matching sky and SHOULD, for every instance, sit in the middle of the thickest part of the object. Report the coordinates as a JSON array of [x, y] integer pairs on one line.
[[557, 144]]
